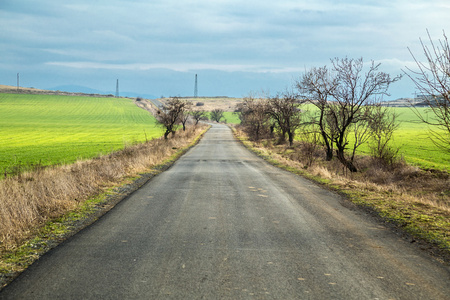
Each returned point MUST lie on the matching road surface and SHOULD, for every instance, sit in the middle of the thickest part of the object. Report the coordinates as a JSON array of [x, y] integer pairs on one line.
[[223, 224]]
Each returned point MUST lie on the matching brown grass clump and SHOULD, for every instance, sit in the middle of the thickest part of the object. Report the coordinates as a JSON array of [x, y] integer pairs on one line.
[[30, 199]]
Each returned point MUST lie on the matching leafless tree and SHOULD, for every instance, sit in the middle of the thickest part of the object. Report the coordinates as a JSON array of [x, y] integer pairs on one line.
[[185, 114], [169, 115], [199, 115], [315, 86], [353, 92], [310, 144], [254, 118], [216, 114], [382, 125], [344, 95], [432, 80], [284, 110]]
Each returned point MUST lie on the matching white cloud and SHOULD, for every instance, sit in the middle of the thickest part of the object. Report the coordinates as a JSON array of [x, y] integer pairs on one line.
[[182, 67]]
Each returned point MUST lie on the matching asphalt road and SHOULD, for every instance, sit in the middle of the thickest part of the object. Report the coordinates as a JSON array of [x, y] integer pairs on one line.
[[223, 224]]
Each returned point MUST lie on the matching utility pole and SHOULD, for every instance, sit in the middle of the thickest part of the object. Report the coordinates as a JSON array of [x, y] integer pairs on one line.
[[195, 87], [117, 88], [17, 82]]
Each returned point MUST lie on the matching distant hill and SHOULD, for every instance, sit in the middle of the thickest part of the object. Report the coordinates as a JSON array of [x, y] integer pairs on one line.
[[75, 89], [404, 102], [135, 95], [87, 90]]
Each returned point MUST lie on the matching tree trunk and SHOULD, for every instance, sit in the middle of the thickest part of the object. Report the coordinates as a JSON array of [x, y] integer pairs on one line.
[[329, 153], [328, 143], [281, 138], [272, 130], [257, 132], [291, 138], [329, 150], [347, 163]]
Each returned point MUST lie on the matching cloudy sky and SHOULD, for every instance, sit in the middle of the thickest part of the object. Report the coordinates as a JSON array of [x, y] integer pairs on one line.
[[155, 47]]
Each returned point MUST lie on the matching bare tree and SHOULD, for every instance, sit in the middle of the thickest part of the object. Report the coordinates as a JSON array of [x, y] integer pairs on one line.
[[199, 115], [169, 115], [382, 125], [344, 95], [185, 114], [315, 86], [285, 111], [254, 118], [432, 80], [216, 114], [360, 131], [354, 91], [310, 143]]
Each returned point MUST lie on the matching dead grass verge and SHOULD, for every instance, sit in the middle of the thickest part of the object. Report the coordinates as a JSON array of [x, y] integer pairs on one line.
[[31, 199], [415, 200]]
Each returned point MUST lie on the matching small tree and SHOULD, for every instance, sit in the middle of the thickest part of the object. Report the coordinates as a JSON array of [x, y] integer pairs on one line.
[[185, 114], [254, 118], [199, 115], [169, 115], [382, 125], [310, 143], [344, 96], [315, 86], [361, 130], [432, 80], [216, 114], [285, 111], [353, 92]]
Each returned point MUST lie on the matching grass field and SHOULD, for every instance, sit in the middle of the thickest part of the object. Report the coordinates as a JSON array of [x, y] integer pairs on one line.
[[231, 117], [46, 130], [42, 129], [413, 139]]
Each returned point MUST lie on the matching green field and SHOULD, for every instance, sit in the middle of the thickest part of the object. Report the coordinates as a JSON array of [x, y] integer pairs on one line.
[[413, 139], [231, 117], [46, 130]]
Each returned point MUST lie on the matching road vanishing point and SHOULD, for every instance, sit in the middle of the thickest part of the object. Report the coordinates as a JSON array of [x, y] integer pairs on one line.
[[222, 223]]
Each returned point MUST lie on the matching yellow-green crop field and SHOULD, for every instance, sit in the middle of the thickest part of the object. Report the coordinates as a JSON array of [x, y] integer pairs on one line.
[[47, 130], [413, 139], [231, 117]]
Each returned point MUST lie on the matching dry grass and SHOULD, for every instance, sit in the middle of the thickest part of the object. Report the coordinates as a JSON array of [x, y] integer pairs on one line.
[[13, 89], [210, 103], [30, 199], [417, 200]]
